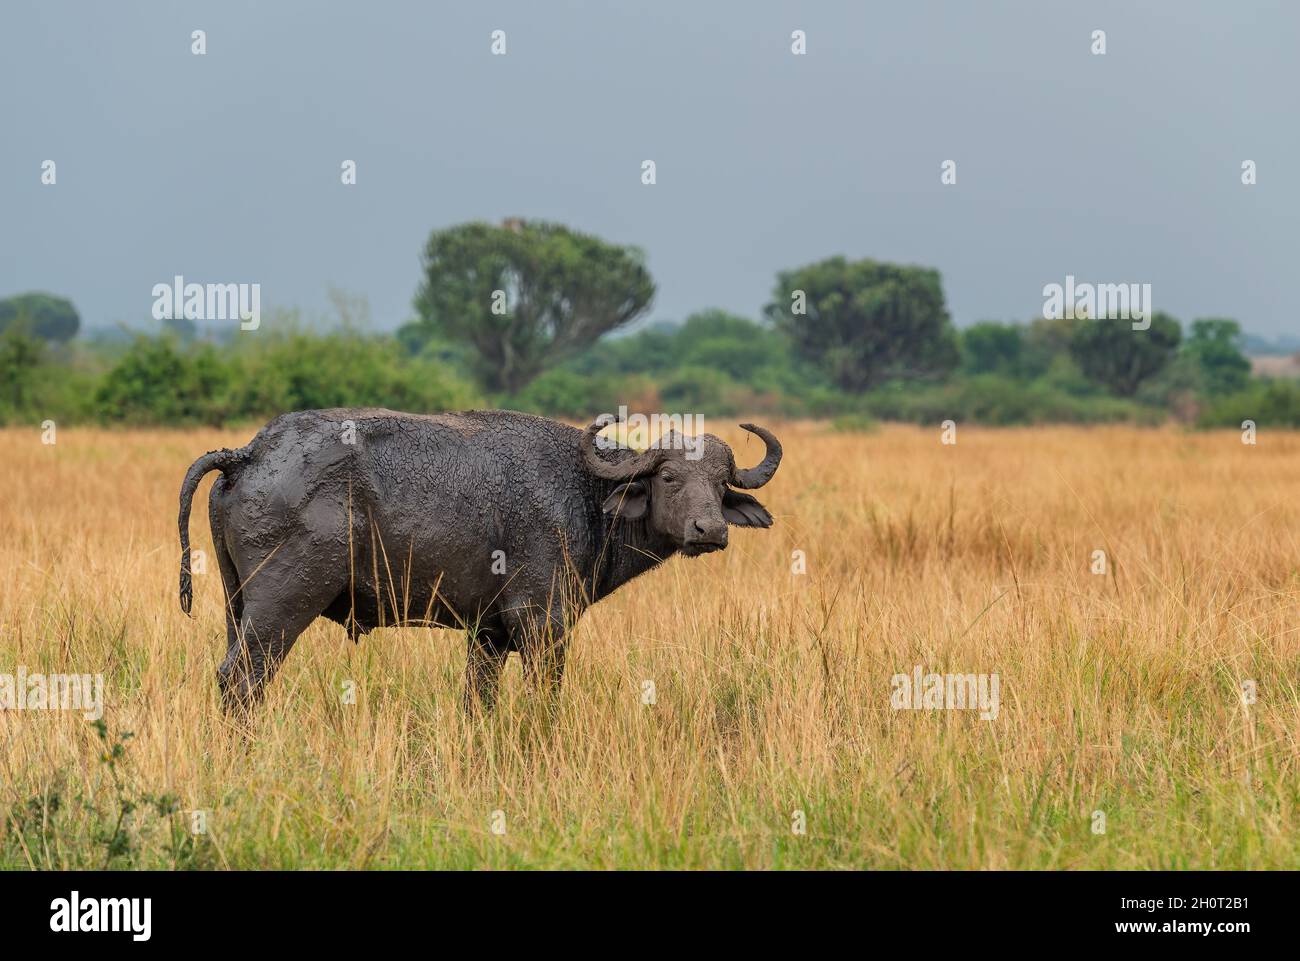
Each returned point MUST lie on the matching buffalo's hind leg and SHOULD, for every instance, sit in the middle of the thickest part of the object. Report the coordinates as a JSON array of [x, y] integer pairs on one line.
[[234, 600], [278, 605]]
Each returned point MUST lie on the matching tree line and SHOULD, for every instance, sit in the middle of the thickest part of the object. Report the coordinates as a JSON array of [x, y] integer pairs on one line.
[[532, 315]]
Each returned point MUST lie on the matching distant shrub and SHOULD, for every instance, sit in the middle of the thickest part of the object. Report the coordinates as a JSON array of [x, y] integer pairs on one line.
[[34, 387], [154, 382], [1215, 347], [701, 390], [560, 393], [715, 364], [300, 371], [573, 396], [1270, 403], [22, 355], [995, 400]]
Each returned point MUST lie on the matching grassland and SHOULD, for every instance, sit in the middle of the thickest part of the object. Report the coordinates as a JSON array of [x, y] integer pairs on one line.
[[1120, 692]]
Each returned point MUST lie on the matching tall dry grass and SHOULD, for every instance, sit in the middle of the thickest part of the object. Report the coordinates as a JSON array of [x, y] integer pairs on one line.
[[1120, 693]]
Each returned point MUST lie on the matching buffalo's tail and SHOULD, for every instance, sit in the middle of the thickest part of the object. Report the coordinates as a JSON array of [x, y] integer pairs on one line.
[[221, 460]]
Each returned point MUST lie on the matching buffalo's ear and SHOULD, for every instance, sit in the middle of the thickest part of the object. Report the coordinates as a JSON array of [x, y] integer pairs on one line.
[[743, 511], [629, 501]]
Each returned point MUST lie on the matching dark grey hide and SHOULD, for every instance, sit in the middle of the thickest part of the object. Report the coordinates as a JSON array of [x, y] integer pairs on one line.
[[404, 524]]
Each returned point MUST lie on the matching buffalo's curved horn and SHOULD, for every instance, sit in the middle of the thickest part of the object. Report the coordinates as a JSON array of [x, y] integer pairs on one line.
[[760, 475], [629, 469]]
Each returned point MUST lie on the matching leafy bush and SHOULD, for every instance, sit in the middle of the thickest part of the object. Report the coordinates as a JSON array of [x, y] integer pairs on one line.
[[1269, 403], [734, 345], [715, 364], [563, 393], [994, 400], [300, 371], [155, 383]]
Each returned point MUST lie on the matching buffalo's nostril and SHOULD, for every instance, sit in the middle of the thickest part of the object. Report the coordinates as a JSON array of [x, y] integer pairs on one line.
[[708, 533]]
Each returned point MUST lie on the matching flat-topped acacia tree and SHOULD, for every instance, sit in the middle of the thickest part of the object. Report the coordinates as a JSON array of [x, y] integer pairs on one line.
[[526, 295]]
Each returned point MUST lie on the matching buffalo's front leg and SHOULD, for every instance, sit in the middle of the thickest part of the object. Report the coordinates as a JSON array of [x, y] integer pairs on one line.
[[487, 653], [539, 635], [544, 667]]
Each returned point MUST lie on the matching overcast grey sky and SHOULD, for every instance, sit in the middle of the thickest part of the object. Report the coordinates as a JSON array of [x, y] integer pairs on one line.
[[225, 167]]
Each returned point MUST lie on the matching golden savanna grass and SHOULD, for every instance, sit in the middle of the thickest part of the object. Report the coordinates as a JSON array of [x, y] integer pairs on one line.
[[1120, 693]]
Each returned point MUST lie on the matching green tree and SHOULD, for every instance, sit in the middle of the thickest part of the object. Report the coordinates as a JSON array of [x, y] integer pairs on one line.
[[865, 321], [20, 356], [49, 317], [1047, 345], [1110, 352], [990, 347], [1214, 345], [526, 295]]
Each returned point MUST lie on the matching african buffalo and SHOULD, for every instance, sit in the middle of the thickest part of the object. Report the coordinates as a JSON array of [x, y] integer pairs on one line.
[[503, 524]]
